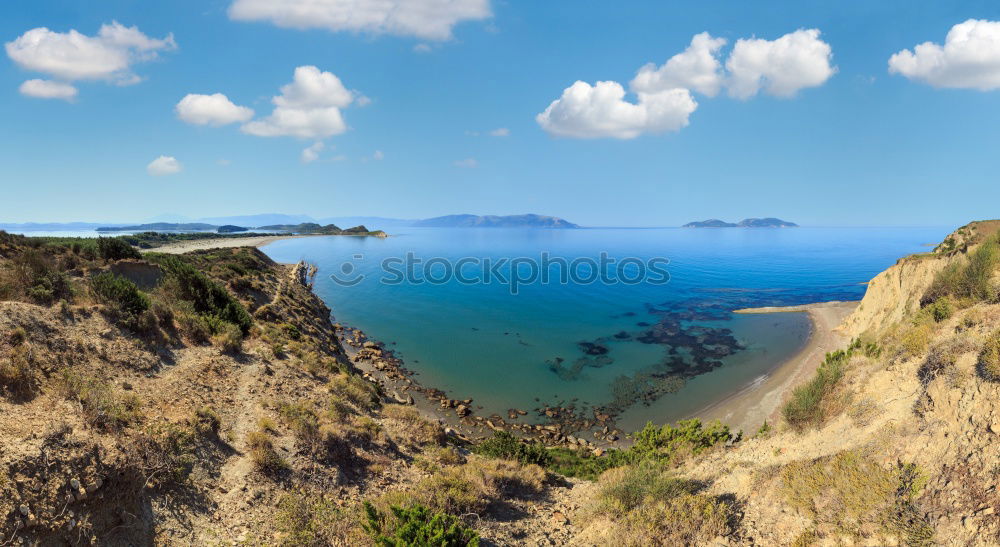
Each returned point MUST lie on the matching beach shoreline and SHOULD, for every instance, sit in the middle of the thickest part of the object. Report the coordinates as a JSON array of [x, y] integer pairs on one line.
[[181, 247], [760, 401]]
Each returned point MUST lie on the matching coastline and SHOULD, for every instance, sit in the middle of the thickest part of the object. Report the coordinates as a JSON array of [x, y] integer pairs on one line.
[[181, 247], [761, 400]]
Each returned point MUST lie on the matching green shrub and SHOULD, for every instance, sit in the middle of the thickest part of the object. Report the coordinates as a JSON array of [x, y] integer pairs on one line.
[[417, 526], [506, 446], [806, 404], [207, 297], [33, 275], [941, 309], [119, 293], [115, 248], [989, 359]]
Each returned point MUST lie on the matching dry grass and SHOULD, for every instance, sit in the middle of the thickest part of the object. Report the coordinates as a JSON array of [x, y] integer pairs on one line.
[[105, 406], [645, 505], [410, 427], [850, 494], [470, 487], [17, 373], [988, 365]]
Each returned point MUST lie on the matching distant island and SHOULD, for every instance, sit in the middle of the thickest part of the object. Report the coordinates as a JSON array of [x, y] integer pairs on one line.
[[304, 228], [769, 222], [494, 221]]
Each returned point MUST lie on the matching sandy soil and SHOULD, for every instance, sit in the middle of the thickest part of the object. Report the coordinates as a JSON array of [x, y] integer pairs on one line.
[[761, 400], [182, 247]]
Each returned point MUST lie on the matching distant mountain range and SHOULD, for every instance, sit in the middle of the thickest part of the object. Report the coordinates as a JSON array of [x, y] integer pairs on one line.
[[272, 221], [493, 221], [769, 222]]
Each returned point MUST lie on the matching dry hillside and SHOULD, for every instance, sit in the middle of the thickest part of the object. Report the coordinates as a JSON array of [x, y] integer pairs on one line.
[[208, 399]]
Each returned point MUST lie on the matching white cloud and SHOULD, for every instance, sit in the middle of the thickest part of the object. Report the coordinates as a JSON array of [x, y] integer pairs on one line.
[[72, 56], [164, 165], [307, 108], [422, 48], [223, 162], [378, 155], [697, 68], [424, 19], [780, 67], [47, 89], [588, 112], [467, 163], [311, 153], [970, 58], [500, 132], [215, 109]]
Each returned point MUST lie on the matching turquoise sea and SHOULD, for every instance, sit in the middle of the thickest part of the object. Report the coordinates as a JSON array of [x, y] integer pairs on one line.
[[646, 351]]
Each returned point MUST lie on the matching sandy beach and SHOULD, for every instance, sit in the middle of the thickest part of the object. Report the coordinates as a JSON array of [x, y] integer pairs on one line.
[[181, 247], [761, 400]]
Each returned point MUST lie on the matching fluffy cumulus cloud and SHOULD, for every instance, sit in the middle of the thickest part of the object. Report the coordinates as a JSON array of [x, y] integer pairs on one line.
[[311, 153], [215, 109], [586, 111], [47, 89], [969, 58], [72, 56], [309, 107], [697, 68], [164, 165], [780, 67], [424, 19], [663, 100]]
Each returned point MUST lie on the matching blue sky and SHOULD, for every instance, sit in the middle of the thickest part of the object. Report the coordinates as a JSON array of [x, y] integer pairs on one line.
[[861, 147]]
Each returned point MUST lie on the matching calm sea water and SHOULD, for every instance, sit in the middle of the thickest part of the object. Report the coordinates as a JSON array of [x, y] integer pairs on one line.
[[514, 351]]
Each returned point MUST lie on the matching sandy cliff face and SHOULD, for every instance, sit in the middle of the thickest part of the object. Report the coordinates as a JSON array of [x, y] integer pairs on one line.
[[897, 291]]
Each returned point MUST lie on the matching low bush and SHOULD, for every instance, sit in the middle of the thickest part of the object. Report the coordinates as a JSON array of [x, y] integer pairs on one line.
[[104, 405], [207, 422], [311, 520], [849, 493], [413, 428], [228, 338], [115, 248], [32, 275], [302, 420], [356, 390], [669, 444], [17, 374], [805, 407], [505, 445], [988, 365], [206, 297], [263, 455], [417, 525], [645, 505], [161, 455], [120, 294], [971, 280]]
